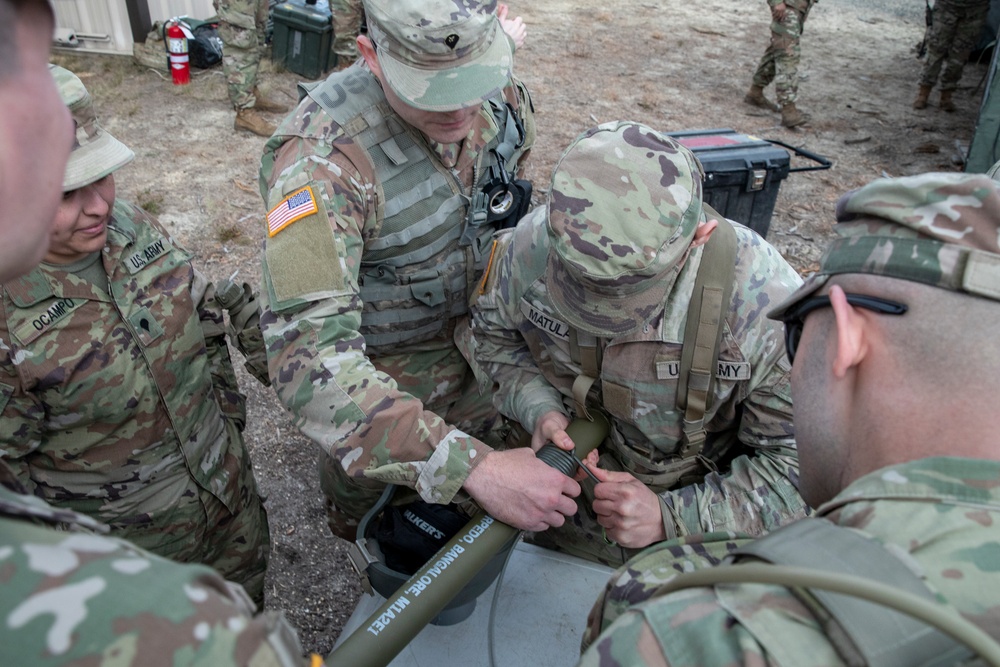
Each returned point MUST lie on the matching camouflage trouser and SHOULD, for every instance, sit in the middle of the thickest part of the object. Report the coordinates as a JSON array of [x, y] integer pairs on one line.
[[656, 565], [780, 62], [199, 528], [954, 34], [241, 27], [346, 25], [349, 498], [239, 546]]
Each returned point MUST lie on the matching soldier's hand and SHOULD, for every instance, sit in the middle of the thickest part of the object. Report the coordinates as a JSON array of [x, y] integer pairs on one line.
[[627, 509], [514, 27], [778, 12], [551, 427], [521, 490]]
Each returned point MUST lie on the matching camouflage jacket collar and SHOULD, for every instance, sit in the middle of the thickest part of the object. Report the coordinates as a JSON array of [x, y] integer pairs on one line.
[[953, 480], [122, 230], [30, 289]]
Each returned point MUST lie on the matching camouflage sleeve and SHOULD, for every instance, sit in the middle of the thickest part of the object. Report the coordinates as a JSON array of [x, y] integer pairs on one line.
[[22, 419], [310, 319], [22, 416], [634, 623], [520, 99], [742, 624], [93, 598], [522, 393], [684, 629], [210, 312], [629, 642], [642, 577], [757, 494]]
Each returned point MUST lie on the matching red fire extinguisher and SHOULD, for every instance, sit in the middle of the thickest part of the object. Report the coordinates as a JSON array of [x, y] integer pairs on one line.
[[177, 47]]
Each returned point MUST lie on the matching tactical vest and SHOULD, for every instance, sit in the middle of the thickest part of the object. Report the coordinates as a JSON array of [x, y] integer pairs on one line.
[[418, 270], [706, 318], [874, 609]]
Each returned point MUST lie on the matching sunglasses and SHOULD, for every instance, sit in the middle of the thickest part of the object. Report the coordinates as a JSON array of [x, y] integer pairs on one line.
[[795, 318]]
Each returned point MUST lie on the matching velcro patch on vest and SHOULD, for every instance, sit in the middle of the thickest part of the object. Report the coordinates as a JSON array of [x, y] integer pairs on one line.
[[544, 321], [725, 370], [143, 258], [43, 321], [617, 399], [292, 208]]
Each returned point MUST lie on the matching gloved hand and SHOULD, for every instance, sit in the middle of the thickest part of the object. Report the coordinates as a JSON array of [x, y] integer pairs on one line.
[[244, 326]]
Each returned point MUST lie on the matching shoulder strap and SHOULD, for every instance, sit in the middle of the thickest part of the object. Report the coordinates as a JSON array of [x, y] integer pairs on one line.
[[878, 612], [585, 350], [713, 289]]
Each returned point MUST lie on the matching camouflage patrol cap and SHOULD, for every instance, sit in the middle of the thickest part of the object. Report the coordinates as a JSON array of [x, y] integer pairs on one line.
[[941, 229], [623, 207], [440, 55], [95, 153]]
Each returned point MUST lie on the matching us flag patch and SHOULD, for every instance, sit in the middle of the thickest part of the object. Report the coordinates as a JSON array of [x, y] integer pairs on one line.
[[294, 207]]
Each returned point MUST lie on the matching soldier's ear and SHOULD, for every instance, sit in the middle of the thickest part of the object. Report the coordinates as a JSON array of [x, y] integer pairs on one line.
[[852, 333], [367, 50]]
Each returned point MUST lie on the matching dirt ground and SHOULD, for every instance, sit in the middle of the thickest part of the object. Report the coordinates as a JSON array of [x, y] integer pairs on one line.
[[674, 66]]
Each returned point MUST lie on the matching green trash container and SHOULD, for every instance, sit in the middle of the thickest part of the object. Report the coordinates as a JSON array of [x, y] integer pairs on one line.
[[303, 38]]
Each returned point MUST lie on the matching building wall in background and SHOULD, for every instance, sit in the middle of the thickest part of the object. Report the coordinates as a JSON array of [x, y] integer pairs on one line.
[[102, 26]]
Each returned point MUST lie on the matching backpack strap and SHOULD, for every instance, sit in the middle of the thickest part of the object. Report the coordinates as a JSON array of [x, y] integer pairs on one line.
[[814, 557], [713, 289]]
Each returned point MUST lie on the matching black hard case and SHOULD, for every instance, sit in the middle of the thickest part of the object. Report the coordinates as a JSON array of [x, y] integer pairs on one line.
[[743, 173]]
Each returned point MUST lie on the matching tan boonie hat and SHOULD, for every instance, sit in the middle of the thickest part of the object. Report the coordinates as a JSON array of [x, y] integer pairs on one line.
[[440, 55], [940, 229], [95, 152], [623, 207]]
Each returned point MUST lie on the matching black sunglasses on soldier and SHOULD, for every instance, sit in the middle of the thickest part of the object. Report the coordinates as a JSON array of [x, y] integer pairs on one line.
[[795, 317]]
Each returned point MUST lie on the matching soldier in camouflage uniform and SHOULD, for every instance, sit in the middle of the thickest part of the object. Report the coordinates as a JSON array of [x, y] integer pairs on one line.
[[347, 18], [242, 25], [780, 62], [119, 398], [895, 375], [610, 264], [378, 229], [70, 595], [956, 28]]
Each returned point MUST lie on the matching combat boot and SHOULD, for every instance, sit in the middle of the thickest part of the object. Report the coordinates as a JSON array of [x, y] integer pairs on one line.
[[756, 98], [792, 117], [269, 104], [249, 120], [921, 100], [946, 103]]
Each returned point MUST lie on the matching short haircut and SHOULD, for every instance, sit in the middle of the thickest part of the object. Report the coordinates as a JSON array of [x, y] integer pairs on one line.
[[12, 15]]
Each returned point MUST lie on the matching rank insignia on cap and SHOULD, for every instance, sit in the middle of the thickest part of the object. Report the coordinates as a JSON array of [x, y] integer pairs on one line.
[[294, 207], [451, 40]]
